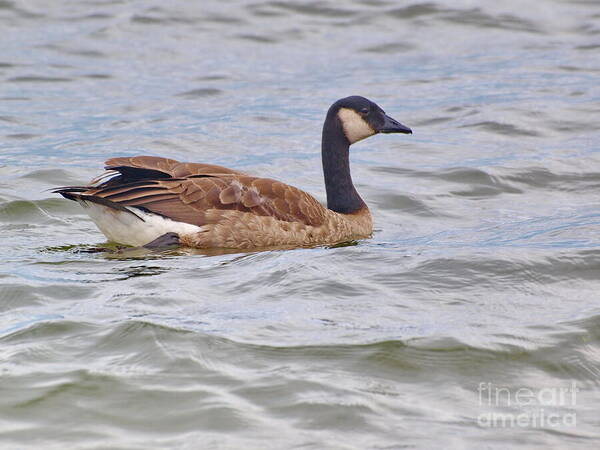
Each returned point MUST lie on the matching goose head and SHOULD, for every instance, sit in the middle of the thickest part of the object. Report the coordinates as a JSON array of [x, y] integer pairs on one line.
[[361, 118]]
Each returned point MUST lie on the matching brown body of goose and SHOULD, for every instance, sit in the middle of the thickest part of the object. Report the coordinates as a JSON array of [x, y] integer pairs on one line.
[[156, 202]]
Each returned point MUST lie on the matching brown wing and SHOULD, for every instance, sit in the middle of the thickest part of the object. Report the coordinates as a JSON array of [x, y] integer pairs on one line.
[[202, 199], [165, 166]]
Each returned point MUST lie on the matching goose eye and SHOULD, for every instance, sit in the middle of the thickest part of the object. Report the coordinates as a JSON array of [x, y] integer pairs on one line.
[[364, 111]]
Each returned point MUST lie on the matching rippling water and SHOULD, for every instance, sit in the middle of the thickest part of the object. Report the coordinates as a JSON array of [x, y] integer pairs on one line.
[[477, 297]]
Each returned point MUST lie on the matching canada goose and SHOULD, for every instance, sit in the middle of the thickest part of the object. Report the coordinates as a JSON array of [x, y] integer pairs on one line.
[[155, 202]]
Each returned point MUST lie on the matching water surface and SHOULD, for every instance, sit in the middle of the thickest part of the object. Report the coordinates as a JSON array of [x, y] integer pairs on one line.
[[482, 276]]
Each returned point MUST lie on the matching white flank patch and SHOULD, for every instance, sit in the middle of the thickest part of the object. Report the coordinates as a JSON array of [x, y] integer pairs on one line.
[[124, 228], [355, 127]]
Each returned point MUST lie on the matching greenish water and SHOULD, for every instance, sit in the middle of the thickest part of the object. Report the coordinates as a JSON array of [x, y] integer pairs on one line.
[[470, 320]]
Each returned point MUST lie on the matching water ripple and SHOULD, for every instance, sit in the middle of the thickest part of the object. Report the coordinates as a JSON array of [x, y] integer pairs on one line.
[[482, 270]]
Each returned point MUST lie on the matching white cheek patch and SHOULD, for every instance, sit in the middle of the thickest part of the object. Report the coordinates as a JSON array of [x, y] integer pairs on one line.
[[355, 127]]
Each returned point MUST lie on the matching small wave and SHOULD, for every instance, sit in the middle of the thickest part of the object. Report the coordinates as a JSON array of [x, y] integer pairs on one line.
[[22, 136], [514, 273], [478, 18], [504, 129], [38, 79], [98, 76], [390, 48], [257, 38], [310, 9], [405, 203], [9, 119], [542, 178], [38, 211], [68, 50], [479, 183], [223, 19], [414, 11], [147, 20], [200, 92]]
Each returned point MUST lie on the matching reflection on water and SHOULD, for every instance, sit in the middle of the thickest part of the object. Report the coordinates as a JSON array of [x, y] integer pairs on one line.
[[483, 269]]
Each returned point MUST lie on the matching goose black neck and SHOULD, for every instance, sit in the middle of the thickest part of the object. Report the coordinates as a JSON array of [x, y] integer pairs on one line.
[[341, 194]]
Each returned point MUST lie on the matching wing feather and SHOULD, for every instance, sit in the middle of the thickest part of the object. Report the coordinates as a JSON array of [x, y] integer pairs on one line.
[[201, 194], [190, 200], [167, 166]]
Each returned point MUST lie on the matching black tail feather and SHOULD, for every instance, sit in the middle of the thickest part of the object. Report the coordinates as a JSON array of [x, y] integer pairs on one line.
[[129, 174], [72, 193]]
